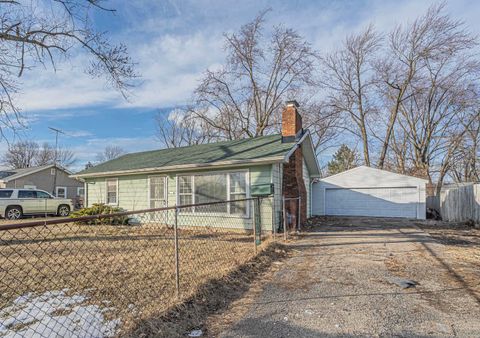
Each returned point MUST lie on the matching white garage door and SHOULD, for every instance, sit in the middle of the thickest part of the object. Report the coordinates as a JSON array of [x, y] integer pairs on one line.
[[379, 202]]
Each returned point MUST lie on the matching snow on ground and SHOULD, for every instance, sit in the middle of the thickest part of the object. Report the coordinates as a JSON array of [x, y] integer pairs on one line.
[[55, 314]]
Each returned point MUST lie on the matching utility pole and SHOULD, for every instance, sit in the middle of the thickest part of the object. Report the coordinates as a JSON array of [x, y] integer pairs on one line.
[[56, 131]]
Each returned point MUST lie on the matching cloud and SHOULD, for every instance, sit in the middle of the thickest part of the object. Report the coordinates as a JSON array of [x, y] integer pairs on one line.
[[171, 67], [88, 150], [68, 87], [78, 133]]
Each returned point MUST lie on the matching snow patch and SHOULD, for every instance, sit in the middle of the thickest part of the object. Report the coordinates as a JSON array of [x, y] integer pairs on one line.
[[55, 314]]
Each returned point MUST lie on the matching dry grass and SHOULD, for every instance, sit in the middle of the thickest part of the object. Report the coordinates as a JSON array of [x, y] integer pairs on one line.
[[129, 269], [462, 249]]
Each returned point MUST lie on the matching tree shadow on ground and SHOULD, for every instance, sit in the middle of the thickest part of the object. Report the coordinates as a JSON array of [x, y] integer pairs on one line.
[[211, 298]]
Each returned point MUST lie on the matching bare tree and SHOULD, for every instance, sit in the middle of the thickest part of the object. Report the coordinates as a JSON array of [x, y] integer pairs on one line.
[[110, 153], [27, 154], [244, 98], [410, 53], [466, 157], [180, 128], [349, 77], [21, 155], [45, 154], [65, 157], [44, 32]]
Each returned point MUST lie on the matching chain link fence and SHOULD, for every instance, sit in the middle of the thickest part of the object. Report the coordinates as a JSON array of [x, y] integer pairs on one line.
[[291, 216], [98, 276]]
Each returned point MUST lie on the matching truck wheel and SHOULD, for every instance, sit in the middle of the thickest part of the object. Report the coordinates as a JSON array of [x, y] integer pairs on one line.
[[63, 210], [13, 213]]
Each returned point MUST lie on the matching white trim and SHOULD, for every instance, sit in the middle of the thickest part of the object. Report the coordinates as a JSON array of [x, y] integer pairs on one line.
[[174, 168], [106, 191], [60, 187]]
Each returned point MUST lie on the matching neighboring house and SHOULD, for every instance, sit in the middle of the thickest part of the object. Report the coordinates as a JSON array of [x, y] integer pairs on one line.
[[208, 172], [51, 178], [365, 191]]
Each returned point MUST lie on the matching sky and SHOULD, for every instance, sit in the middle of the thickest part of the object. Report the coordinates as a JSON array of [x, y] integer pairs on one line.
[[173, 42]]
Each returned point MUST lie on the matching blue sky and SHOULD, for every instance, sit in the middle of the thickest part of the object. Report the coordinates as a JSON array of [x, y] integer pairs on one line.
[[173, 42]]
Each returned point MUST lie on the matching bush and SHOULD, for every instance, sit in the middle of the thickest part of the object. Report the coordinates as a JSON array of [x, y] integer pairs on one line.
[[101, 209]]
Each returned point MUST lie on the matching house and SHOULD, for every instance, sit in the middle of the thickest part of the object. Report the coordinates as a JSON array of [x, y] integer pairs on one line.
[[51, 178], [284, 163], [366, 191]]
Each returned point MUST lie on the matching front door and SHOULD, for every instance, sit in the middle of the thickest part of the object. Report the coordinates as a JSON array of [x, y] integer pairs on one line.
[[158, 196]]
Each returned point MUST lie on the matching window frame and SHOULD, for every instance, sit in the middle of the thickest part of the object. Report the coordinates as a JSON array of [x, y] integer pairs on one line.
[[116, 191], [224, 172], [78, 193], [60, 187]]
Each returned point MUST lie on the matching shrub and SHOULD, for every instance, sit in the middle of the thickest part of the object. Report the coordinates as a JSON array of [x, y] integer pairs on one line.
[[101, 209]]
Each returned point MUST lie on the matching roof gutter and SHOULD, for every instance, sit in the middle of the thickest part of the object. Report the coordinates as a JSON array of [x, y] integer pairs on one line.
[[176, 168]]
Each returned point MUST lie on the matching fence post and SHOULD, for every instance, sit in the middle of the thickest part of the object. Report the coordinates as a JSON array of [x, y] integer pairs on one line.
[[274, 223], [298, 221], [284, 220], [254, 225], [177, 258]]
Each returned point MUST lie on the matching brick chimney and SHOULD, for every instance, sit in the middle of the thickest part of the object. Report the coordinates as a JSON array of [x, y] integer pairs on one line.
[[293, 183], [291, 122]]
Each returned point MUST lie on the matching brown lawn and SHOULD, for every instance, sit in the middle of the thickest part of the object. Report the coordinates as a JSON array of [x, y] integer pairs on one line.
[[129, 270]]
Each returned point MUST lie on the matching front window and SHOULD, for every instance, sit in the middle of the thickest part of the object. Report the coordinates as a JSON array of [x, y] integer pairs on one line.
[[210, 188], [238, 191], [112, 185], [185, 191]]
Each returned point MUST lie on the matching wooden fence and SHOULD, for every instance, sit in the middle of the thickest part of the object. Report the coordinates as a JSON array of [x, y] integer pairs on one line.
[[460, 203]]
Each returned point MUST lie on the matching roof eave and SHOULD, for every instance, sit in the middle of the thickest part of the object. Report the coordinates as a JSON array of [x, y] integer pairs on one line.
[[267, 160], [40, 168], [297, 144]]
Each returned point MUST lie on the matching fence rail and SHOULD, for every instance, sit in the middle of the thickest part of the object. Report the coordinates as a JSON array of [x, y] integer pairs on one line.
[[102, 275]]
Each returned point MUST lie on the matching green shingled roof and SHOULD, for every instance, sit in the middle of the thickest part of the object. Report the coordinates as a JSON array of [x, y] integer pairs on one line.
[[251, 149]]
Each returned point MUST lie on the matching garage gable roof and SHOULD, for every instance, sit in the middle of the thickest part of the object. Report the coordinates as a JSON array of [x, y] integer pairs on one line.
[[13, 174], [364, 176]]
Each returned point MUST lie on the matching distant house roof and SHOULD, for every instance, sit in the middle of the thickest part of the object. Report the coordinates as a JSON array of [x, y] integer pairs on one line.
[[253, 150], [7, 175]]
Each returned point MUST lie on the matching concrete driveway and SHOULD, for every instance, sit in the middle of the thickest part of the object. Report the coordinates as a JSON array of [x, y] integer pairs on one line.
[[342, 282]]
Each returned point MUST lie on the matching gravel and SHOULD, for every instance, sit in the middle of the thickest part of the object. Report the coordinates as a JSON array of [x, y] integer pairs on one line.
[[338, 284]]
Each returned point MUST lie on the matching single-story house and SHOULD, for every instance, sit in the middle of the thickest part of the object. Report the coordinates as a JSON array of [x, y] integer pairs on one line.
[[51, 178], [284, 163], [366, 191]]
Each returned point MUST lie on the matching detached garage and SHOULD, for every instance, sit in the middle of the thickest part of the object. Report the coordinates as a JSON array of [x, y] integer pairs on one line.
[[365, 191]]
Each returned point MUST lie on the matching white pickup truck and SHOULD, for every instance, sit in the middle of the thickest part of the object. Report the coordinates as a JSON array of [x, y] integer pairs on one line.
[[14, 203]]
